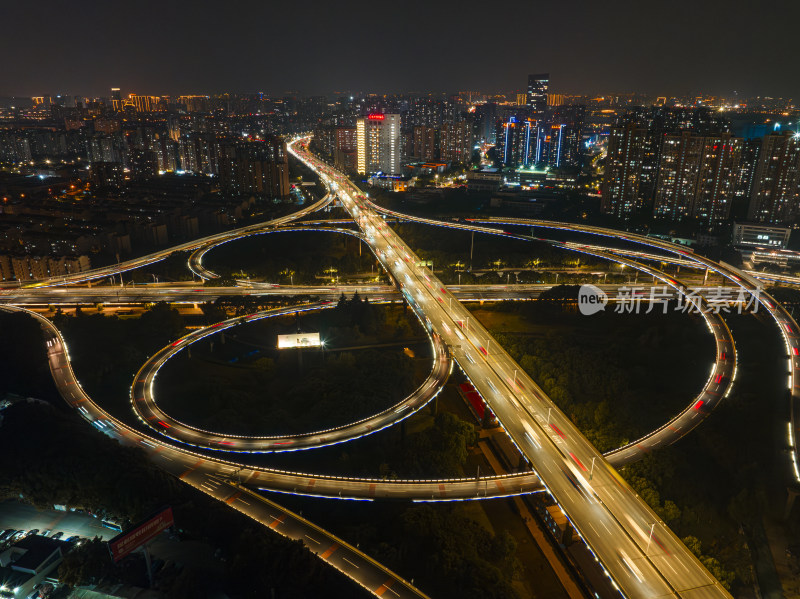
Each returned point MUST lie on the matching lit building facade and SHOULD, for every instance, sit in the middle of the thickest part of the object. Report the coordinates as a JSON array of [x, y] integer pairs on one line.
[[537, 92], [697, 176], [775, 188], [455, 142], [630, 172], [378, 144]]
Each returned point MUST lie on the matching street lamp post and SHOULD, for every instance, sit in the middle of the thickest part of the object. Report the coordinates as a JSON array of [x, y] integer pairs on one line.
[[471, 248]]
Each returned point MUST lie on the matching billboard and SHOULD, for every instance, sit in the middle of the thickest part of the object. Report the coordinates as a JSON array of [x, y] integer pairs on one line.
[[130, 540], [299, 340]]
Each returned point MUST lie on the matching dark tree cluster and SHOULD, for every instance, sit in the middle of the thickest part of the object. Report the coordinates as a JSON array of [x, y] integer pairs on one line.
[[107, 351], [299, 258], [458, 555], [52, 458], [23, 364], [247, 388], [48, 458]]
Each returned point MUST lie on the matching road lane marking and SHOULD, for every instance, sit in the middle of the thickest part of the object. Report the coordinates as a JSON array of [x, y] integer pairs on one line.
[[349, 562], [386, 586], [192, 468], [311, 538], [233, 497], [278, 521]]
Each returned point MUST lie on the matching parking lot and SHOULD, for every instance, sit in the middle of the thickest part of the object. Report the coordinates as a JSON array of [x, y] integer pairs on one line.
[[21, 516]]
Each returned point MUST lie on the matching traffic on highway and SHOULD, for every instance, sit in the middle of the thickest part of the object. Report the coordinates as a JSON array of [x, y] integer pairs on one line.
[[642, 556]]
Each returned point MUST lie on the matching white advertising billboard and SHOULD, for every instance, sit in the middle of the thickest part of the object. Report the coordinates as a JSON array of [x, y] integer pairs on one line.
[[299, 340]]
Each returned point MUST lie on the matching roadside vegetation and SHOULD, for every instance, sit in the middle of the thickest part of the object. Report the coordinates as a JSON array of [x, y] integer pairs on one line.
[[619, 376], [295, 258], [247, 386]]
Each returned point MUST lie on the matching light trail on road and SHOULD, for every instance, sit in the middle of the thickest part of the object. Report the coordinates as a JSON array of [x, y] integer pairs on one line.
[[560, 455]]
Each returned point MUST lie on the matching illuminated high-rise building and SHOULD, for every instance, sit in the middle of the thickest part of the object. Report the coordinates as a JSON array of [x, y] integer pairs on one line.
[[537, 92], [631, 166], [345, 154], [116, 99], [140, 103], [775, 188], [456, 142], [508, 141], [194, 103], [254, 167], [697, 176], [425, 143], [378, 144]]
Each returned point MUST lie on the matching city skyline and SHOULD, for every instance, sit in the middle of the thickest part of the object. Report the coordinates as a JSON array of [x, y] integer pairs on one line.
[[619, 47], [511, 288]]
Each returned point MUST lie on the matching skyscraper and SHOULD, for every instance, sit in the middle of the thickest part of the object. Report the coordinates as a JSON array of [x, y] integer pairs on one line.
[[455, 142], [425, 143], [559, 140], [254, 167], [345, 154], [697, 176], [775, 191], [537, 93], [378, 144], [140, 103], [116, 99], [630, 171]]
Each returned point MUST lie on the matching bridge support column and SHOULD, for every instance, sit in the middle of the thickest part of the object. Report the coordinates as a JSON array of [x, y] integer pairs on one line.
[[522, 464], [566, 535], [792, 495]]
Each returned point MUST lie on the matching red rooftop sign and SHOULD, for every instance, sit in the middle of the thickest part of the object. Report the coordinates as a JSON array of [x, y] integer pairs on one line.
[[130, 540], [376, 117]]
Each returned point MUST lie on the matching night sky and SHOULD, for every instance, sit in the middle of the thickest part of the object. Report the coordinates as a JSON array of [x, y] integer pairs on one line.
[[199, 46]]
